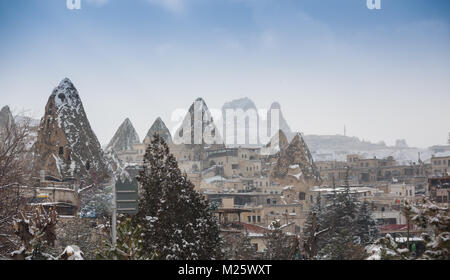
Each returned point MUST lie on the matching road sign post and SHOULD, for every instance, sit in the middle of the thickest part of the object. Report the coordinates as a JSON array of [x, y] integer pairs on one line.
[[125, 199]]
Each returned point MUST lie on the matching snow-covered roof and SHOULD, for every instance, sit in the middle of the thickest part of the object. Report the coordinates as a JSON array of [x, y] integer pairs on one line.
[[214, 179]]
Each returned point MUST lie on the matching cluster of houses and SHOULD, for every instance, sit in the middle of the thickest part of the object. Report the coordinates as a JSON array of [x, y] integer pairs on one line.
[[249, 197], [250, 188]]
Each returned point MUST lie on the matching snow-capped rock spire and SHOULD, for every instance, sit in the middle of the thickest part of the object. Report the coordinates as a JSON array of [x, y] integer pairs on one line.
[[6, 118], [198, 126], [66, 145], [124, 138], [160, 128]]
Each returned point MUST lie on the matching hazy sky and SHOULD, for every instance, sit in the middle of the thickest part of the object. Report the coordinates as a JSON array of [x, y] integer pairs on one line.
[[382, 73]]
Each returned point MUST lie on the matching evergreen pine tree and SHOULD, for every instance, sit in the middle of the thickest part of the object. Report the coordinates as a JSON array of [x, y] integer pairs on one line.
[[312, 229], [177, 221], [366, 226], [279, 245], [239, 247], [346, 226], [436, 221]]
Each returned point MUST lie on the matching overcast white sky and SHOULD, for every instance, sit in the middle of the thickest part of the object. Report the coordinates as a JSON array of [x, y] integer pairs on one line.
[[382, 73]]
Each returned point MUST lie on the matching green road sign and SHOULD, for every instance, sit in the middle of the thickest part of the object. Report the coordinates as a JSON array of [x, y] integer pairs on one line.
[[127, 196]]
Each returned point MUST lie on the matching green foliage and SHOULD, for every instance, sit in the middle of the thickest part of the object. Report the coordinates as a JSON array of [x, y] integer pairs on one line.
[[177, 221], [279, 245], [239, 247], [339, 230], [427, 216], [129, 245], [436, 221]]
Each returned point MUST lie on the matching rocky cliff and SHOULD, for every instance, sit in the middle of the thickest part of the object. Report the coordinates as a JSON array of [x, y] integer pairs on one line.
[[241, 117], [295, 156], [160, 128], [66, 146], [198, 127], [282, 123], [6, 118], [124, 138]]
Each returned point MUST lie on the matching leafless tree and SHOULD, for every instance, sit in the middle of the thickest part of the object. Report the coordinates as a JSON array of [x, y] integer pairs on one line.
[[15, 170]]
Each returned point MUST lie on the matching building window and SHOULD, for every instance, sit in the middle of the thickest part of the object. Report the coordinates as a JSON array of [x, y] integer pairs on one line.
[[254, 219], [249, 219], [255, 246], [301, 196], [268, 201], [259, 219]]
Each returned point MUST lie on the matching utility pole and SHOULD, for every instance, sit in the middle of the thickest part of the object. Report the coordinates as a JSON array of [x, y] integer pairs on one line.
[[114, 214]]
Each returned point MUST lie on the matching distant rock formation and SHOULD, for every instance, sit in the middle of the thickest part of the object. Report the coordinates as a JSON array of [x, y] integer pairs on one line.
[[283, 125], [296, 155], [66, 145], [6, 118], [198, 127], [241, 115], [253, 126], [124, 138], [160, 128], [401, 143], [279, 142]]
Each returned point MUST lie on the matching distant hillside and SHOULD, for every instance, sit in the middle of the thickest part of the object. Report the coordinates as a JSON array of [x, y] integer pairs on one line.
[[340, 143], [337, 147]]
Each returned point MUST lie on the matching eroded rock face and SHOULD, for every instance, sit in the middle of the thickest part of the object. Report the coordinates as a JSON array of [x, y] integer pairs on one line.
[[124, 138], [283, 125], [160, 128], [66, 146], [278, 143], [296, 156], [242, 117], [198, 128], [6, 118]]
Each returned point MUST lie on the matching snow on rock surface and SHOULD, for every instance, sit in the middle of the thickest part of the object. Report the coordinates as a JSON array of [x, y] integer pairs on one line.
[[124, 138], [160, 128], [297, 155], [66, 144]]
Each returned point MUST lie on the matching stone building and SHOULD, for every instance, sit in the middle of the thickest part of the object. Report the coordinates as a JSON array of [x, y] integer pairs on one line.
[[440, 166]]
